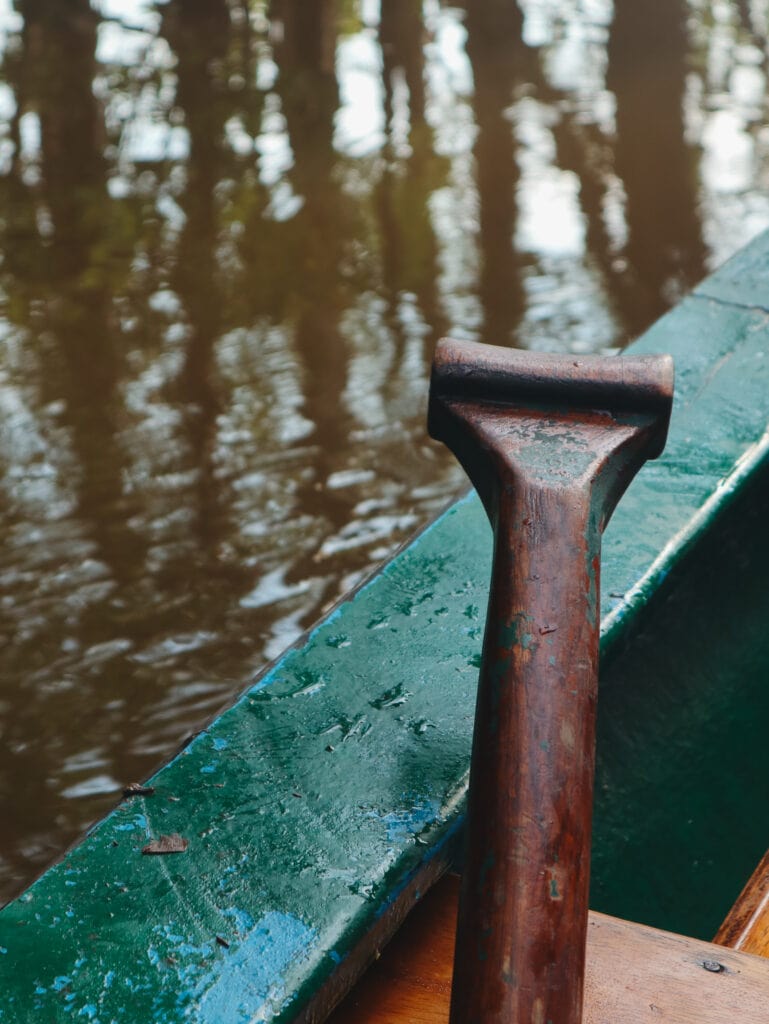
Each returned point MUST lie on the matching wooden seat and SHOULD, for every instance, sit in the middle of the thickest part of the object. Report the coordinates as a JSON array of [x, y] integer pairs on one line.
[[635, 974]]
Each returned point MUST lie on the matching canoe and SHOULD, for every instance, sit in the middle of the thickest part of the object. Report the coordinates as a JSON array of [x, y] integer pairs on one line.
[[318, 810], [550, 442]]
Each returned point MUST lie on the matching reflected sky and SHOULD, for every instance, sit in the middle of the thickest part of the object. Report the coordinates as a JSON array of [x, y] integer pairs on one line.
[[230, 235]]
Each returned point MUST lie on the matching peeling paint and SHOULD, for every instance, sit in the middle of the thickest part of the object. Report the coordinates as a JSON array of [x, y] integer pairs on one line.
[[250, 981], [409, 821]]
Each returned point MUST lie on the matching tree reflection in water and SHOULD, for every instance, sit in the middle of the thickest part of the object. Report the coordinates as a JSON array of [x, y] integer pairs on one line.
[[231, 234]]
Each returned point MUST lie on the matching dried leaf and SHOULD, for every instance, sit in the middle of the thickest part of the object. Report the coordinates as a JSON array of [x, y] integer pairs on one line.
[[167, 844], [136, 789]]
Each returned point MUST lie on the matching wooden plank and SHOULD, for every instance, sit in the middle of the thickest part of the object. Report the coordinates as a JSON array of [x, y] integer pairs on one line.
[[635, 974], [411, 982], [746, 927]]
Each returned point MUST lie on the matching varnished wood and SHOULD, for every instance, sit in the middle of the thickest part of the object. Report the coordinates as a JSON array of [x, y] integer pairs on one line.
[[411, 982], [550, 443], [747, 925], [635, 975]]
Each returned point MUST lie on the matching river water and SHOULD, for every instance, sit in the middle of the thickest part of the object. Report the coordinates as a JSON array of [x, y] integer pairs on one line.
[[230, 235]]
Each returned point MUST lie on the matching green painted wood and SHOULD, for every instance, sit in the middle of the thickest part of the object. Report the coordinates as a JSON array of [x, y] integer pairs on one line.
[[682, 809], [317, 805]]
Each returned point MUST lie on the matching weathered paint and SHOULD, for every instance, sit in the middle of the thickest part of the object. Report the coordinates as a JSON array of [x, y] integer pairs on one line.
[[312, 806]]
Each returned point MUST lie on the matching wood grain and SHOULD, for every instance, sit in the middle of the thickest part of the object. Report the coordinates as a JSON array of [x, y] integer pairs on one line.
[[746, 926], [635, 975], [411, 981], [551, 443]]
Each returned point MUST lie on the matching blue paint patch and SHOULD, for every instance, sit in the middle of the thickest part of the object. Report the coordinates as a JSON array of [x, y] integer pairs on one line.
[[138, 821], [180, 945], [250, 981], [258, 687], [60, 982], [242, 919], [209, 769], [220, 744], [136, 986], [3, 950], [403, 824], [88, 1011], [336, 957]]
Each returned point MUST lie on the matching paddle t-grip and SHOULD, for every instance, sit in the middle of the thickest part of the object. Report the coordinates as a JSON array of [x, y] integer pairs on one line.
[[550, 443]]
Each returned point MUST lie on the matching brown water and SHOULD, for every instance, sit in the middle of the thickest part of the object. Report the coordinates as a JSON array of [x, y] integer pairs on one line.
[[229, 238]]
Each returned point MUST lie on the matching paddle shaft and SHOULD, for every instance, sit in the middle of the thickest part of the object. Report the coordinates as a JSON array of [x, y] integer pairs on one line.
[[550, 443], [523, 909]]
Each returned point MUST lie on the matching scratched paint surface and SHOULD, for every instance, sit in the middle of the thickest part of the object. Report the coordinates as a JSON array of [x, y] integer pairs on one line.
[[309, 804]]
